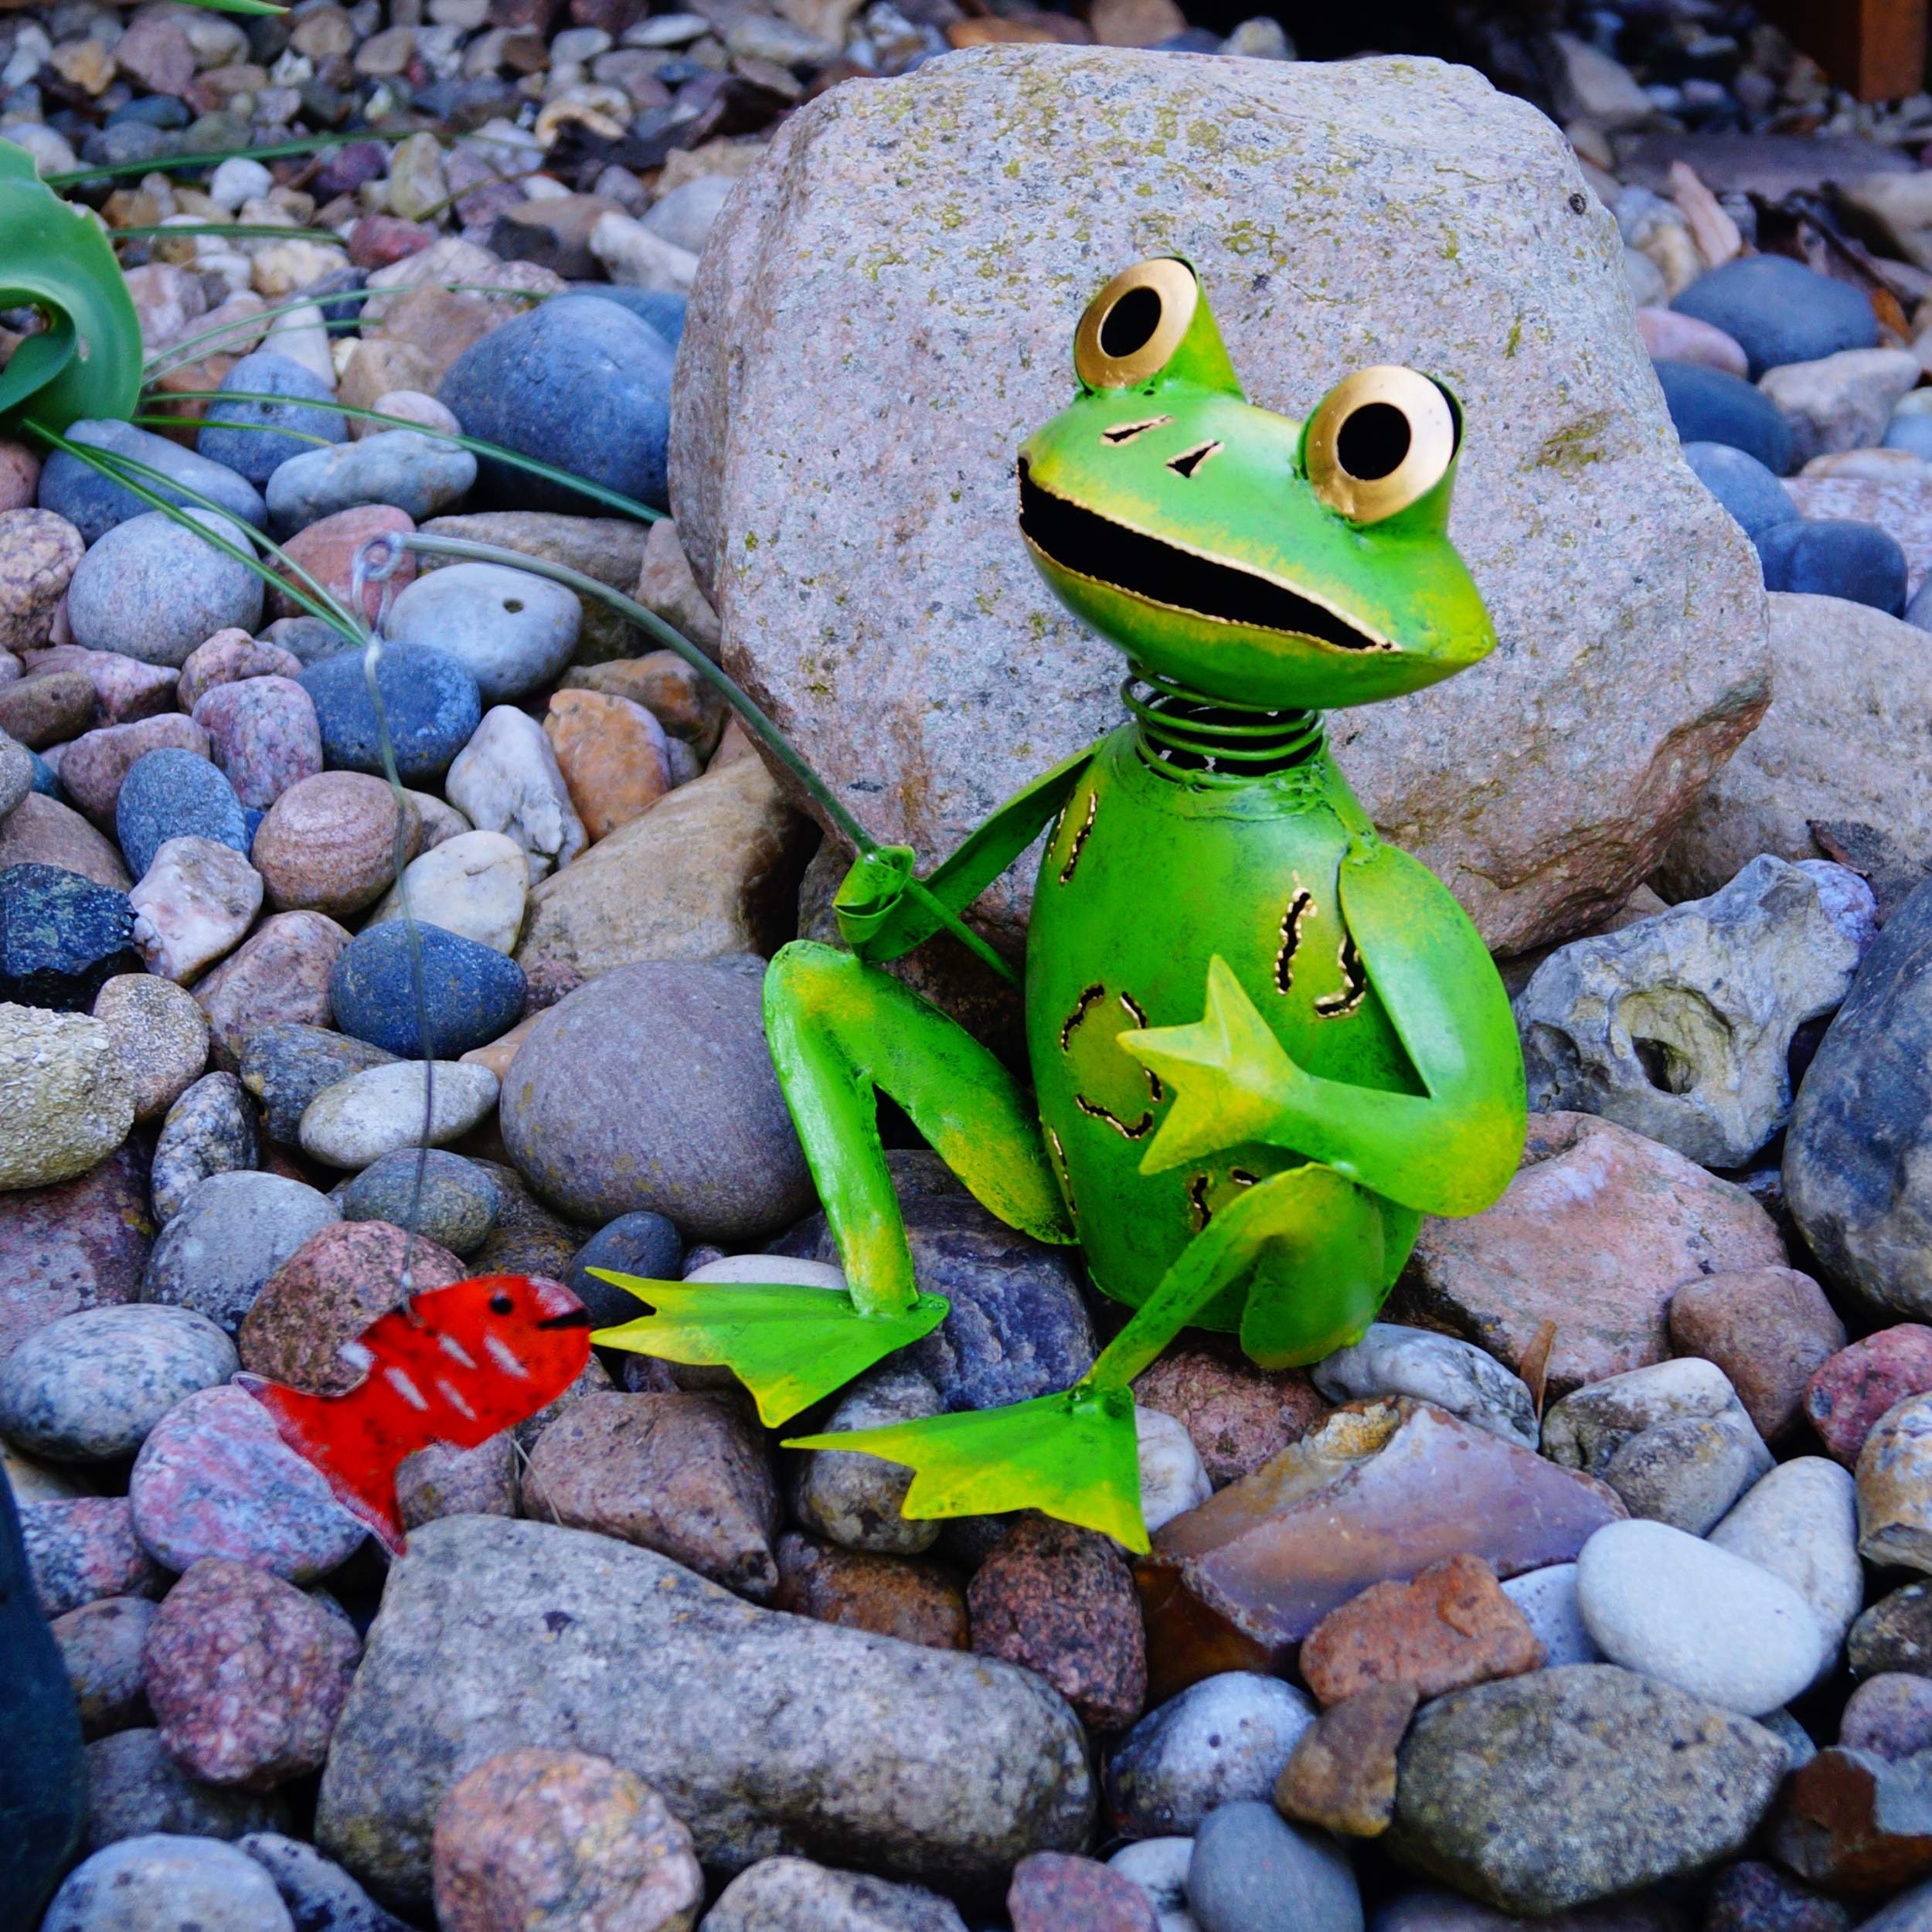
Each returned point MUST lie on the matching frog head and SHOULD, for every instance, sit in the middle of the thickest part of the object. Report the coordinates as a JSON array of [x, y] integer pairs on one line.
[[1243, 555]]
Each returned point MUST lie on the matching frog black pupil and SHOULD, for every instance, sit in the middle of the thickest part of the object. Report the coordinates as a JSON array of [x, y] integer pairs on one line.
[[1373, 442], [1130, 323], [501, 1304]]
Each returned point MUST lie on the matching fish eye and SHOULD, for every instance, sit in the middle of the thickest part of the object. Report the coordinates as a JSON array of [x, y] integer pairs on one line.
[[501, 1304], [1380, 440]]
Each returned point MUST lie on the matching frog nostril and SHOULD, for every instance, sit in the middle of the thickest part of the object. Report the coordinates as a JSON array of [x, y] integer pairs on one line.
[[1189, 461]]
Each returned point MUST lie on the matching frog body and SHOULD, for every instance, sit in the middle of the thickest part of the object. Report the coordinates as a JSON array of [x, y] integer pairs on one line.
[[1264, 1043]]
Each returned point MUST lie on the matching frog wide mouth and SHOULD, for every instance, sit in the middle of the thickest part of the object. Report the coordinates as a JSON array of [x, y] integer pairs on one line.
[[1086, 544]]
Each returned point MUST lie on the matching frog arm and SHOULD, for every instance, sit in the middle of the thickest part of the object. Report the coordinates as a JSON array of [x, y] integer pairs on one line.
[[1450, 1150], [879, 906]]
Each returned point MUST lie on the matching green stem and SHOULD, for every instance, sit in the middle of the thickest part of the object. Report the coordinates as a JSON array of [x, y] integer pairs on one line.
[[218, 423], [251, 230], [236, 324], [169, 164]]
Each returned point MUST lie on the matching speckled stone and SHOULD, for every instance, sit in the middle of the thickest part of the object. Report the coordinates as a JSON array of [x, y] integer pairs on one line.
[[1894, 1635], [320, 1896], [100, 1645], [89, 1388], [160, 1033], [430, 700], [457, 1206], [230, 1235], [263, 736], [62, 937], [1752, 1897], [133, 1787], [1852, 1389], [210, 1129], [246, 1675], [788, 1894], [1890, 1716], [40, 551], [442, 1481], [919, 1603], [274, 432], [279, 975], [643, 1244], [1055, 1892], [82, 1243], [329, 843], [94, 768], [153, 587], [528, 1238], [228, 657], [173, 794], [286, 1065], [474, 993], [215, 1479], [83, 1548], [853, 1499], [66, 1102], [192, 906], [162, 1881], [1239, 1416]]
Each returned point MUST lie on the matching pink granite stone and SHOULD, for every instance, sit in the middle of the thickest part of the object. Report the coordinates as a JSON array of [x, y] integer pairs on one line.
[[264, 735]]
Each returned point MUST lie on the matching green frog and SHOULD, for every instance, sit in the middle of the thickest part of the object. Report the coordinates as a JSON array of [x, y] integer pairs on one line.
[[1264, 1041]]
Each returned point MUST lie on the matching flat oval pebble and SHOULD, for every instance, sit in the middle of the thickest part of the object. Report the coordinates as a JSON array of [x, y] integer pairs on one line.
[[328, 844], [62, 937], [475, 884], [94, 503], [430, 701], [456, 1207], [93, 767], [171, 794], [81, 1549], [279, 974], [358, 1119], [474, 994], [210, 1129], [153, 588], [420, 474], [1669, 1605], [284, 1066], [1707, 406], [514, 630], [1253, 1872], [193, 906], [162, 1883], [233, 1233], [89, 1388], [264, 441], [263, 736], [214, 1478]]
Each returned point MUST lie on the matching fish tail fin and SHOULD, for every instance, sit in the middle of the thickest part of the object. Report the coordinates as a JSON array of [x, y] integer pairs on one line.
[[312, 1426]]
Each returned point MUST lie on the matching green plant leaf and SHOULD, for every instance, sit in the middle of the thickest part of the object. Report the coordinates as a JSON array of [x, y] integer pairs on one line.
[[214, 157]]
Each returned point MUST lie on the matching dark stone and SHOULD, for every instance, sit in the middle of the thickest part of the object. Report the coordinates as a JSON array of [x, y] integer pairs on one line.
[[94, 503], [134, 1787], [1834, 558], [528, 1239], [643, 1244], [285, 1066], [258, 448], [61, 937], [1751, 1896], [1253, 1871], [44, 1778], [431, 701], [1777, 311], [1856, 1823], [169, 793], [320, 1896], [1894, 1635], [1712, 405], [474, 993], [578, 383], [457, 1208], [1890, 1716], [1753, 496]]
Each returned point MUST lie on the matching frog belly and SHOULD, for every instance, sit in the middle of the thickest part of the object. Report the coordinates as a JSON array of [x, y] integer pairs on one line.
[[1146, 878]]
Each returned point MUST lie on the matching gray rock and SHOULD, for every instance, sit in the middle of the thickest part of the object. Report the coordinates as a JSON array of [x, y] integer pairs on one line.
[[93, 505], [920, 1765], [794, 1895], [1910, 1912], [1855, 1171], [88, 1387], [163, 1883], [651, 1087], [134, 1787], [854, 1499], [261, 442], [101, 1646], [1566, 1786], [285, 1066], [66, 1099], [1547, 1598], [1894, 1635], [233, 1232], [457, 1207], [1682, 1611], [1468, 1382], [1253, 1872], [1800, 1523], [1629, 666], [512, 629], [1222, 1739], [152, 589], [355, 1122], [320, 1896], [209, 1129], [1895, 1487], [417, 474], [1158, 1866], [1679, 1026], [17, 771]]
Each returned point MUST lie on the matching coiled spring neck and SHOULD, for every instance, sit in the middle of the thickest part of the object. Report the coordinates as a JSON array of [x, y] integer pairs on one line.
[[1184, 731]]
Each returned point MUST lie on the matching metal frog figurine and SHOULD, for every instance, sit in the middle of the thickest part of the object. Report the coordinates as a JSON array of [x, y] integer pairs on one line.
[[1264, 1043]]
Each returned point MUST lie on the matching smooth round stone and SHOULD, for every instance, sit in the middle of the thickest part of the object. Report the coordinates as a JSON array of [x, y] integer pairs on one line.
[[473, 993], [1669, 337], [285, 1066], [320, 1894], [1800, 1522], [133, 1787], [94, 505], [1253, 1872], [515, 630], [62, 937], [474, 884], [1455, 1375], [1779, 312], [234, 1232], [358, 1119], [642, 1244], [210, 1129], [1858, 562], [580, 384], [329, 844], [214, 1478], [457, 1207], [161, 1882], [100, 1644], [1547, 1598], [418, 474], [264, 736], [90, 1387], [850, 1498], [652, 1087], [1225, 1739], [160, 1035], [1912, 432], [1158, 1866], [258, 448], [170, 794], [1890, 1716], [17, 773], [1669, 1605], [39, 553], [1753, 496], [153, 589], [1706, 406], [430, 700], [658, 308]]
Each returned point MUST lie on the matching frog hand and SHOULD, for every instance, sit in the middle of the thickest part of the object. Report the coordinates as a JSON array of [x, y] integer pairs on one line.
[[790, 1345], [1075, 1456], [1227, 1072]]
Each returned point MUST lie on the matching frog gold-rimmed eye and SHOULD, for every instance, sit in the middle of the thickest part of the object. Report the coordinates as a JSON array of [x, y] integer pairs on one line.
[[1133, 325], [1380, 440]]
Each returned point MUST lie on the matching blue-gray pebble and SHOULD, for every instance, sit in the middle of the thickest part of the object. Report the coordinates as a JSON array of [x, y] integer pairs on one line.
[[513, 630], [1252, 1872], [642, 1243], [474, 993], [171, 794], [311, 639], [432, 703], [1743, 484], [420, 474], [61, 937], [659, 307], [457, 1207], [1911, 432], [154, 587], [1856, 561], [1712, 406], [94, 504], [258, 448], [579, 383], [1777, 311]]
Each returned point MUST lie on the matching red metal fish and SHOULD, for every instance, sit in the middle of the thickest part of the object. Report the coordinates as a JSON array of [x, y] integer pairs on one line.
[[458, 1365]]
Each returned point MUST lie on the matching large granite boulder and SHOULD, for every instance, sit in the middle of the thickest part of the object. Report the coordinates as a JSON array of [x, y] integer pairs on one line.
[[885, 310], [768, 1733]]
